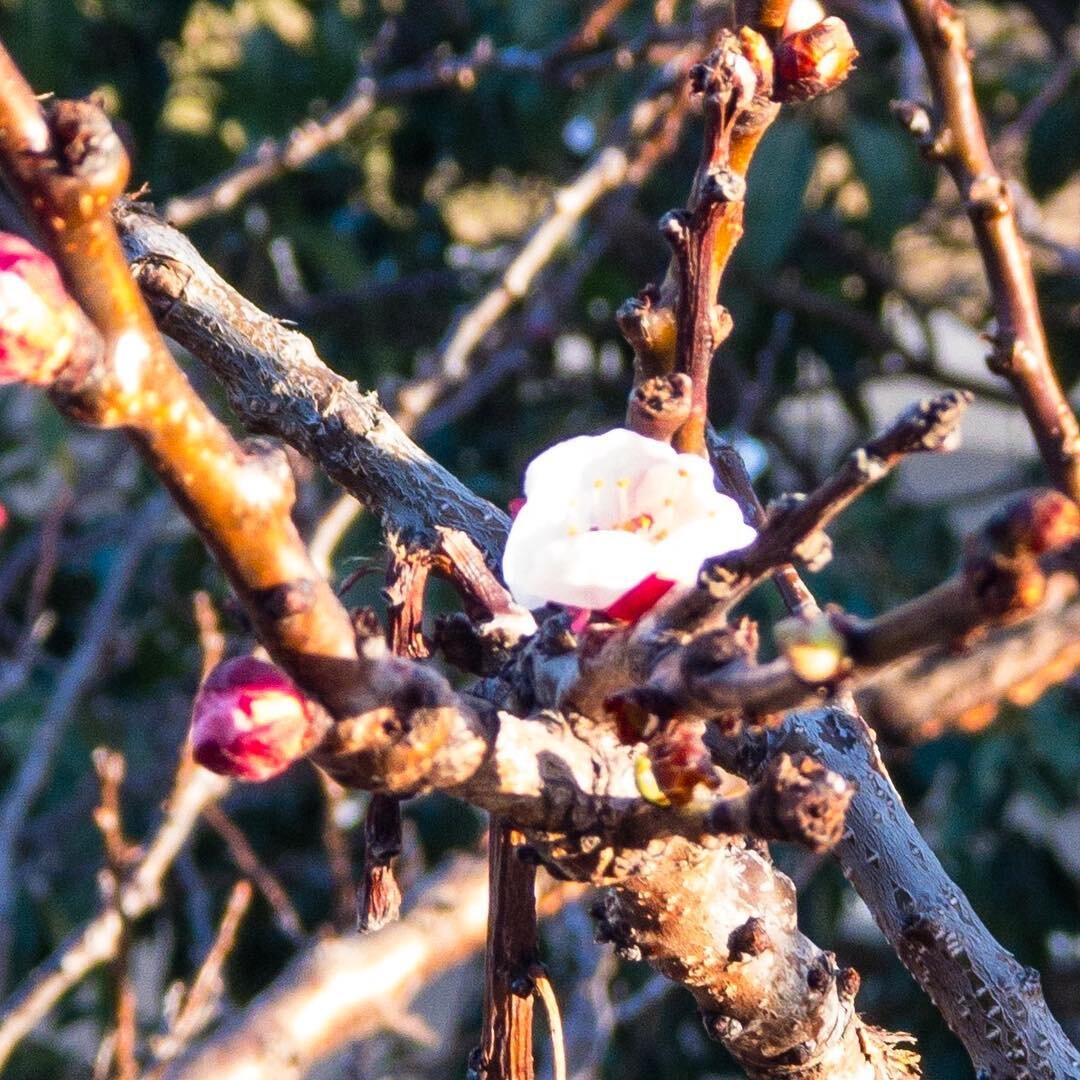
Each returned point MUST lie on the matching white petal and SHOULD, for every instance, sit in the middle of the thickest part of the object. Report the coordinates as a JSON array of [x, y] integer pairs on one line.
[[576, 463], [590, 571], [680, 556]]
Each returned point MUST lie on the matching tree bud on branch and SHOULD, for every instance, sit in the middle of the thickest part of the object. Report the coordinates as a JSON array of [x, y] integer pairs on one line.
[[40, 324], [251, 721], [812, 61]]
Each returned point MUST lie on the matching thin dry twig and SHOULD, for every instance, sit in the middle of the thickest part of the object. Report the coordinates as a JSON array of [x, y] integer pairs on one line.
[[569, 204], [203, 997], [98, 941], [546, 993], [248, 862], [319, 1003], [122, 1042], [336, 843], [78, 674]]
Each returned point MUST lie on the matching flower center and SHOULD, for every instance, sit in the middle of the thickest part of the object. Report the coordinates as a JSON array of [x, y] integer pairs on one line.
[[639, 523]]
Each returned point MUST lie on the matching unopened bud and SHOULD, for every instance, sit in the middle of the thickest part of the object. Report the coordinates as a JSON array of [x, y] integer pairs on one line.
[[648, 787], [251, 721], [1034, 522], [39, 323], [814, 60], [814, 648]]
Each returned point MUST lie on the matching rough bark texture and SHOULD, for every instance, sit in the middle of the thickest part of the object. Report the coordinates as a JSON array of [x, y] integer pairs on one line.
[[506, 1043], [993, 1004], [277, 385], [723, 923]]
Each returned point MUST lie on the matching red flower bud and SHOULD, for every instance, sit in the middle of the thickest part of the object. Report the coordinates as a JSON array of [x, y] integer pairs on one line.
[[811, 61], [1033, 522], [39, 323], [251, 721]]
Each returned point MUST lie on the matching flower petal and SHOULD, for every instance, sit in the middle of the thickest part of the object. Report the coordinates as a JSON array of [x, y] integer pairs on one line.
[[680, 556], [591, 570]]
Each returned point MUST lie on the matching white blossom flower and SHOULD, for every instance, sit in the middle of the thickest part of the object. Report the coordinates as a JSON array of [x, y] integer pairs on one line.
[[611, 522]]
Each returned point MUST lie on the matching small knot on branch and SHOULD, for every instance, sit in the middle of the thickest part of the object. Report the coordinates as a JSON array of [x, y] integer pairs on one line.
[[90, 152], [724, 186], [660, 406], [748, 940], [988, 196], [799, 799], [934, 142], [650, 330], [674, 228]]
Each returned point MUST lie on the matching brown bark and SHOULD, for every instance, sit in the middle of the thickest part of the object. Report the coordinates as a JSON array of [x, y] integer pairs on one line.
[[263, 364], [722, 922], [506, 1039], [958, 141]]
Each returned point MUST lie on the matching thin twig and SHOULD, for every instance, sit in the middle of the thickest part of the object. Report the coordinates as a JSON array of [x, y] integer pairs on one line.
[[249, 863], [84, 666], [546, 993], [119, 855], [336, 844], [202, 999], [97, 942], [274, 158]]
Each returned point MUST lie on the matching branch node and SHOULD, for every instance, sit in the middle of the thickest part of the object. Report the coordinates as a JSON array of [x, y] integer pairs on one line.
[[988, 196], [748, 940], [659, 406]]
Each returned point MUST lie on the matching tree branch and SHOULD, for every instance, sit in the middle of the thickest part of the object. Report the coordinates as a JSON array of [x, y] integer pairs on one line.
[[963, 690], [68, 168], [852, 649], [506, 1038], [958, 141], [346, 988], [993, 1004], [277, 385], [722, 923]]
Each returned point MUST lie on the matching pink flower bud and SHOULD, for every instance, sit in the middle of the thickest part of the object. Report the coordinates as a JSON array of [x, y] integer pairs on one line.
[[39, 322], [251, 721]]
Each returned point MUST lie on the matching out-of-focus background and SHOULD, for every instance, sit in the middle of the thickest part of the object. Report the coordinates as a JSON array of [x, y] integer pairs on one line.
[[855, 290]]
